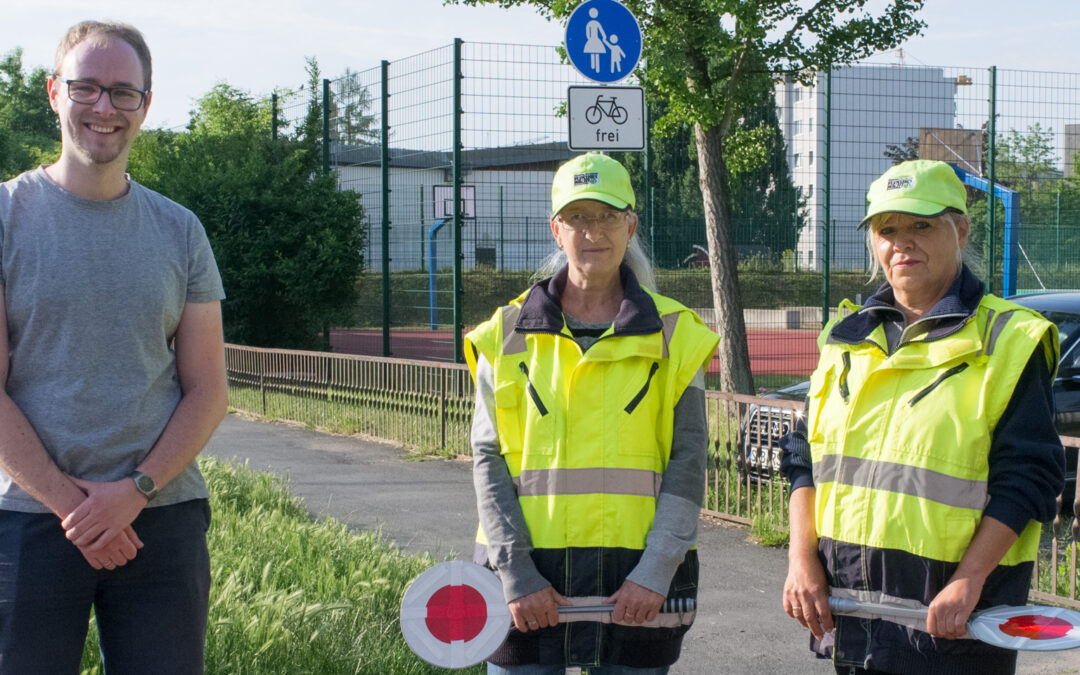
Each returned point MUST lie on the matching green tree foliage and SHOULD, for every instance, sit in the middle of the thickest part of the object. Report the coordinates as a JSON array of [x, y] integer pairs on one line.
[[288, 242], [1049, 213], [29, 130], [710, 59], [903, 152], [1025, 158], [767, 209], [350, 104]]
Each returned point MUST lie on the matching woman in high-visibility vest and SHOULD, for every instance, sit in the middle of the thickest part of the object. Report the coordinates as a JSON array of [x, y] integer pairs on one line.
[[928, 457], [589, 442]]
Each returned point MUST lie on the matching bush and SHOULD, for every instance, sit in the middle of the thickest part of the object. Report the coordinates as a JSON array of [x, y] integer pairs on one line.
[[487, 289], [287, 241]]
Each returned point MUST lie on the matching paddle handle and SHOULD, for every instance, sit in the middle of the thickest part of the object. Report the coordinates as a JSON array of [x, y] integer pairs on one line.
[[670, 606], [849, 606]]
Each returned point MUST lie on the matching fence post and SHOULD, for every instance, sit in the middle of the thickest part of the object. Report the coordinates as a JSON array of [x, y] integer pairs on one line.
[[646, 192], [502, 233], [262, 379], [1057, 230], [827, 197], [384, 160], [991, 200], [326, 125], [458, 294], [442, 408], [273, 116], [326, 169], [422, 226]]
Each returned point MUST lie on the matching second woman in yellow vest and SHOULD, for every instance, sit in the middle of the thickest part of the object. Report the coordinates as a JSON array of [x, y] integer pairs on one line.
[[589, 442], [928, 455]]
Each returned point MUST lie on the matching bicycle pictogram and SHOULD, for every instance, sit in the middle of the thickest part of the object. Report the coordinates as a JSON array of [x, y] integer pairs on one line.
[[606, 107]]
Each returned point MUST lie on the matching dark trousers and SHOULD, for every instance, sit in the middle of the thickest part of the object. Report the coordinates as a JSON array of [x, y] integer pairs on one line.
[[151, 613]]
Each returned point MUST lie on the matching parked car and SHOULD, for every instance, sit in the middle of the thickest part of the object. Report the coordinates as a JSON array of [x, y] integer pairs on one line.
[[763, 426], [761, 430]]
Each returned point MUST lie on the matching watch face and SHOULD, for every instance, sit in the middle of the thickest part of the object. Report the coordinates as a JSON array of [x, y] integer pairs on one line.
[[145, 483]]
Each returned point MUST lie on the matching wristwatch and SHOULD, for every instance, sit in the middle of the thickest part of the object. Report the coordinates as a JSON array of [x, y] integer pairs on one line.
[[145, 484]]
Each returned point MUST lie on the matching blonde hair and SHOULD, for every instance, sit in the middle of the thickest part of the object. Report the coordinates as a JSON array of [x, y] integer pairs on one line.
[[963, 254], [112, 29], [635, 258]]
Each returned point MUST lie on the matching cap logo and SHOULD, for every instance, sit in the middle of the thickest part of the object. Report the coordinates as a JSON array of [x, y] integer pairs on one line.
[[905, 183], [586, 178]]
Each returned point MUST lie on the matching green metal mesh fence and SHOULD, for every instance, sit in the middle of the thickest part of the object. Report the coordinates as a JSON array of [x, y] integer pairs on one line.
[[794, 213]]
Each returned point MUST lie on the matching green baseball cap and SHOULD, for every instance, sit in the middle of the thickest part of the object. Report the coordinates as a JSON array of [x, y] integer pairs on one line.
[[591, 176], [920, 187]]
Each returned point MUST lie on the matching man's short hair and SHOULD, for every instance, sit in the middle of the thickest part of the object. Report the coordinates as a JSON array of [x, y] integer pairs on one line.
[[86, 29]]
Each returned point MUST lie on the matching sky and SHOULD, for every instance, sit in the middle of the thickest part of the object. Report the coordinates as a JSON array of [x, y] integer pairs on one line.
[[257, 45]]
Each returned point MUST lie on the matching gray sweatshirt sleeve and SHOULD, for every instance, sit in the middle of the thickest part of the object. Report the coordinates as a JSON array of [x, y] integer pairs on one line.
[[509, 543], [674, 528]]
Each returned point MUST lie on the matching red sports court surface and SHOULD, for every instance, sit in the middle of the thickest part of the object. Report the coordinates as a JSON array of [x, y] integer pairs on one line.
[[772, 352]]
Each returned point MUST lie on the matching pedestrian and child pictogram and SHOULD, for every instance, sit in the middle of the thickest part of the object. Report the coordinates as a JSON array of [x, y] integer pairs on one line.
[[603, 40]]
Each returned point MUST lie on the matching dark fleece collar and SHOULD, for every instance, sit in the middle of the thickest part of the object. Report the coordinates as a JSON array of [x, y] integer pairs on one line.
[[945, 318], [541, 312]]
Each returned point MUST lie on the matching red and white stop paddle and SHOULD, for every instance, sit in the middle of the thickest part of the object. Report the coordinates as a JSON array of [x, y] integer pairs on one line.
[[1029, 628], [454, 615]]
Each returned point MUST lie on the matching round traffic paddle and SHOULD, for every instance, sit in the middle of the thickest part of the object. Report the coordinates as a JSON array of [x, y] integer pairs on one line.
[[454, 615], [1029, 628]]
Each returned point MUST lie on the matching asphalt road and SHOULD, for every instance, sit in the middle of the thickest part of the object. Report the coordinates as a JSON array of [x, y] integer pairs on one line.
[[428, 506]]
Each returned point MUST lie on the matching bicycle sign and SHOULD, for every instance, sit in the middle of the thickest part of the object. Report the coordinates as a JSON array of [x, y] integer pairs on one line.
[[606, 106], [606, 118]]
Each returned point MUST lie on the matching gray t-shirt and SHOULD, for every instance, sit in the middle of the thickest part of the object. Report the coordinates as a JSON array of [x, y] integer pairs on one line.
[[94, 291]]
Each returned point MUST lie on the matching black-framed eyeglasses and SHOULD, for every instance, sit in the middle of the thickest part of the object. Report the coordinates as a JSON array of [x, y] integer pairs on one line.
[[606, 220], [128, 99]]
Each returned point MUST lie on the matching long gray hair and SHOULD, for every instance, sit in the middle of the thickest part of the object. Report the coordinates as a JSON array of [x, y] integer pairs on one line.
[[635, 258]]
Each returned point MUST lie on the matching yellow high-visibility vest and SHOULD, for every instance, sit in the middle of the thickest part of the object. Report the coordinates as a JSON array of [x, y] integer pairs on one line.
[[900, 443], [587, 436]]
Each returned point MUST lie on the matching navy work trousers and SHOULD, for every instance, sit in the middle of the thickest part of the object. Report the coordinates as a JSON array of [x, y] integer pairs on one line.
[[151, 613]]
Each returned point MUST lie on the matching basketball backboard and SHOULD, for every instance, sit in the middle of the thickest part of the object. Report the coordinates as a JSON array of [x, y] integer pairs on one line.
[[444, 201]]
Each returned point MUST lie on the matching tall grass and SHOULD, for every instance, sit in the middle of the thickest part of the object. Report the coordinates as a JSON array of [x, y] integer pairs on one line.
[[293, 595]]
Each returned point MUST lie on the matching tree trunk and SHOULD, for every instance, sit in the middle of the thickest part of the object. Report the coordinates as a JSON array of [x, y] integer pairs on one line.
[[735, 373]]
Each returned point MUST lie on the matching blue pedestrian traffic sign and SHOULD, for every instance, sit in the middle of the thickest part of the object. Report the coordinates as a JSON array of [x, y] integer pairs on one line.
[[603, 40]]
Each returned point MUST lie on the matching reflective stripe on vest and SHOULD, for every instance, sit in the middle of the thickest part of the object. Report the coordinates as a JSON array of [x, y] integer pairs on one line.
[[903, 479], [600, 480], [901, 442]]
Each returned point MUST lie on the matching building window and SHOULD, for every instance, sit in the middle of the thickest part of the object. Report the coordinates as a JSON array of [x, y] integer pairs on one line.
[[810, 191], [796, 128], [798, 159], [810, 159], [797, 92]]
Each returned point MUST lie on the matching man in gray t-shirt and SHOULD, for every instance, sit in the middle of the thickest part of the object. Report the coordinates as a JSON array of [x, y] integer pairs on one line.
[[114, 382]]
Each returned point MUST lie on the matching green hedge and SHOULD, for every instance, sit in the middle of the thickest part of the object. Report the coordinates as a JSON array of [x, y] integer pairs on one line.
[[487, 289]]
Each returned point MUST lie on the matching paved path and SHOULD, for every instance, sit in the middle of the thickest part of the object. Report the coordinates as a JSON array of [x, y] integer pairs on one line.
[[428, 506]]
